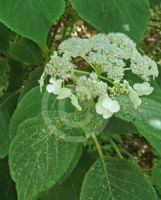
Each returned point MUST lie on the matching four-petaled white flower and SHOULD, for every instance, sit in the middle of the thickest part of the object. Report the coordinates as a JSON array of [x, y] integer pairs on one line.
[[106, 106], [134, 97], [143, 88], [56, 88]]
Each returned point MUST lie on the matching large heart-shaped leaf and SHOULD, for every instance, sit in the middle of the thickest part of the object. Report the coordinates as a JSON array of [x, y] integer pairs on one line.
[[31, 18], [117, 180], [125, 16], [39, 158]]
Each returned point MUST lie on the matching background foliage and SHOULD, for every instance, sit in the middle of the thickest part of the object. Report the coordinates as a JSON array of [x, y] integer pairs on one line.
[[42, 166]]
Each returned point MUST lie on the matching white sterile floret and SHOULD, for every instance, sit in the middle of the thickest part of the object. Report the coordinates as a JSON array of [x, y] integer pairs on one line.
[[75, 47], [123, 42], [106, 106], [144, 67], [143, 88], [134, 97], [60, 66], [90, 87], [56, 88]]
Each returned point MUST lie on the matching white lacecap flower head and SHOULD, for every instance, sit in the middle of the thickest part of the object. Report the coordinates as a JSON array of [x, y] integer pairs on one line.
[[106, 106], [109, 56]]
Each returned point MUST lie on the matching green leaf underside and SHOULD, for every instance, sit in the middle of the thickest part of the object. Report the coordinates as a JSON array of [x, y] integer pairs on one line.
[[40, 16], [146, 118], [38, 159], [125, 16], [123, 181]]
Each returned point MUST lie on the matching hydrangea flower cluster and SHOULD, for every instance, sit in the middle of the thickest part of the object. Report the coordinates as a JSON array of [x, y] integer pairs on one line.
[[96, 68]]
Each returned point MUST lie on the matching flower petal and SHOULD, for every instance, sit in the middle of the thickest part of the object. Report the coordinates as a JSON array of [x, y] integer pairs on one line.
[[64, 93], [107, 114], [50, 88], [75, 103], [99, 108], [134, 97]]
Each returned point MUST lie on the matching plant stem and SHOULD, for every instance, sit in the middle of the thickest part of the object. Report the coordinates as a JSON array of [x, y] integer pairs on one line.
[[116, 148], [98, 146], [103, 163], [88, 73], [82, 72], [105, 78], [91, 65], [126, 69]]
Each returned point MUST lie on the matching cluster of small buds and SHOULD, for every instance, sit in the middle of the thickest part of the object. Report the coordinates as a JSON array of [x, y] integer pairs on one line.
[[60, 66], [90, 87], [119, 88], [106, 60], [144, 67]]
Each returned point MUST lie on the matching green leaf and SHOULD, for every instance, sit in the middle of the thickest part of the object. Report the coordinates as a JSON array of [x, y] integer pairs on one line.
[[32, 104], [125, 16], [156, 174], [4, 69], [32, 18], [146, 118], [119, 179], [39, 158], [119, 127], [17, 75], [4, 38], [32, 81], [155, 2], [7, 105], [7, 189], [72, 185], [28, 107], [87, 119], [26, 52]]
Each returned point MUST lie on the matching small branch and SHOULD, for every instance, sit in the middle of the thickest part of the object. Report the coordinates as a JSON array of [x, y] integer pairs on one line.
[[116, 148]]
